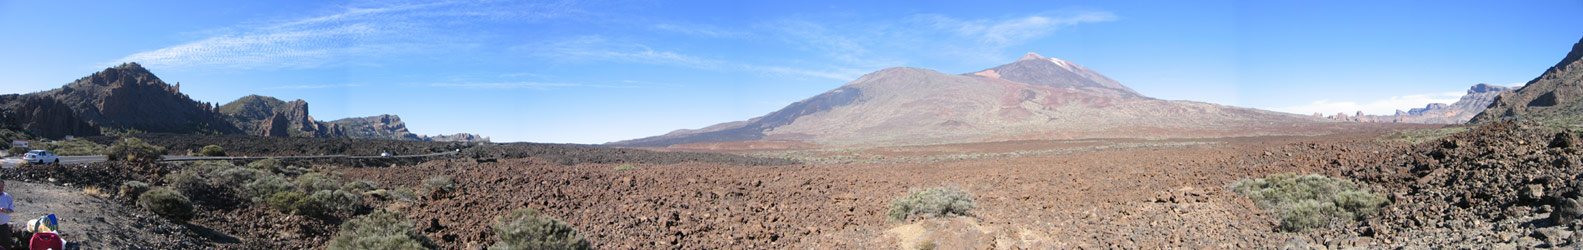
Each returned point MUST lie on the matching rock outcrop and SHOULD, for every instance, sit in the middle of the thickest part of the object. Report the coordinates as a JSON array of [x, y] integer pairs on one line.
[[391, 127], [459, 137], [130, 98], [1553, 97], [43, 116], [1477, 98], [268, 116], [379, 126]]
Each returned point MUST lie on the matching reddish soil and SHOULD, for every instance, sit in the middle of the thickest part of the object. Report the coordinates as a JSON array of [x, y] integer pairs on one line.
[[1506, 185], [1148, 197]]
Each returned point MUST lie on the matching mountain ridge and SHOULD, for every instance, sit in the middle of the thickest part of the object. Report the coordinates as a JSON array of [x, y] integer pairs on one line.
[[1478, 97], [903, 105], [128, 98], [1553, 96]]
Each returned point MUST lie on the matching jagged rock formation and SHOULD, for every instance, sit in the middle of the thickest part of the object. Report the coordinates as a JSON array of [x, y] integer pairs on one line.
[[379, 126], [130, 98], [459, 137], [294, 115], [42, 115], [250, 111], [1554, 97], [1033, 98], [391, 127], [267, 116], [1477, 98]]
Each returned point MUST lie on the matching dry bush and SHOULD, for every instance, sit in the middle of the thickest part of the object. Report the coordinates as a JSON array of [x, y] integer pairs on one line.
[[938, 201], [437, 186], [527, 229], [135, 150], [212, 150], [167, 203], [378, 230], [1310, 201]]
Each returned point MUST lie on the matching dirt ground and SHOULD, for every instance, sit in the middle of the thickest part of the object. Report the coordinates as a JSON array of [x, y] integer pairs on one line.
[[1497, 186], [1126, 195], [94, 222]]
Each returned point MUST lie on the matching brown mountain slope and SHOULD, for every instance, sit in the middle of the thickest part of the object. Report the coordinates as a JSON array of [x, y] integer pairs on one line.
[[1555, 96], [912, 106]]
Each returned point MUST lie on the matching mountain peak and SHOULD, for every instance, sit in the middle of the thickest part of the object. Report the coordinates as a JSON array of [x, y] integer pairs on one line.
[[131, 65], [1044, 71], [1486, 88], [1033, 56]]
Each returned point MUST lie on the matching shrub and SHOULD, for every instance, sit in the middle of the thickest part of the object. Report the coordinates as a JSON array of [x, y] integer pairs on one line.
[[296, 203], [212, 150], [133, 188], [276, 166], [378, 230], [74, 147], [624, 167], [237, 177], [438, 186], [135, 150], [187, 181], [1310, 201], [939, 201], [95, 191], [527, 229], [338, 201], [15, 151], [264, 186], [313, 182], [398, 194], [266, 164], [167, 203], [358, 187]]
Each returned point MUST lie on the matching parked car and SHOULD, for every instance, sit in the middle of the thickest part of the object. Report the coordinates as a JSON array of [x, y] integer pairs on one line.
[[40, 156]]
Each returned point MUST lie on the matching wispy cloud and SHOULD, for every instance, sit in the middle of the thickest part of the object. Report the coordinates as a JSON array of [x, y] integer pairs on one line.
[[530, 85], [321, 86], [1005, 32], [703, 30], [1387, 106], [351, 35], [596, 48], [520, 74], [894, 42]]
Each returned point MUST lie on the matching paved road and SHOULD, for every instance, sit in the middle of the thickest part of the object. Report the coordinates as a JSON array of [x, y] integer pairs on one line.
[[11, 162]]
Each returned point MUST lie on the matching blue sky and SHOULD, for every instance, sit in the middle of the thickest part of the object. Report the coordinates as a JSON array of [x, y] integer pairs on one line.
[[599, 71]]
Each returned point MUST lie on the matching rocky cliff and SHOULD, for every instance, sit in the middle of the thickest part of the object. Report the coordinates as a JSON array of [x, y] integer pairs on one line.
[[268, 116], [43, 116], [391, 127], [1556, 96], [130, 98], [1477, 98]]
